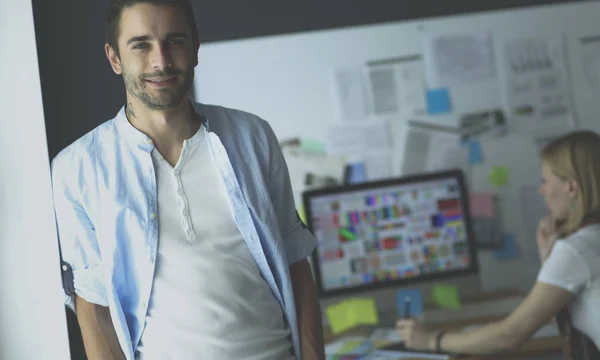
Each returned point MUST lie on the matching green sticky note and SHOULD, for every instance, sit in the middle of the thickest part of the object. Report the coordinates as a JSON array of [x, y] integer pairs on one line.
[[364, 311], [312, 146], [499, 176], [446, 296], [340, 317]]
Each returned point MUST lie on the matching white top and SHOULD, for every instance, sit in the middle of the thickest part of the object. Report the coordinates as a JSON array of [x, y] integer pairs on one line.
[[574, 265], [209, 299]]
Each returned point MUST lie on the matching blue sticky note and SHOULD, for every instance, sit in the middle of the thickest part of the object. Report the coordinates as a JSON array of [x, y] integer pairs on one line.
[[416, 302], [438, 101], [475, 153], [357, 173], [509, 249]]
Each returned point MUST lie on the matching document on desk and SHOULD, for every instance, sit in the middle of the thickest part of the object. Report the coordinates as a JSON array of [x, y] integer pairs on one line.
[[403, 355]]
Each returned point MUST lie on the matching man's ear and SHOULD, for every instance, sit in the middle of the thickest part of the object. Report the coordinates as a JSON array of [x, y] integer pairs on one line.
[[113, 58]]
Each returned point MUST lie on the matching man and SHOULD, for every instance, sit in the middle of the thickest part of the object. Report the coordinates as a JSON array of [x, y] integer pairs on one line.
[[177, 219]]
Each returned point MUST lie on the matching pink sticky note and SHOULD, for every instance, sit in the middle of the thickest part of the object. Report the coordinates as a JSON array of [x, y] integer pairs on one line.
[[482, 205]]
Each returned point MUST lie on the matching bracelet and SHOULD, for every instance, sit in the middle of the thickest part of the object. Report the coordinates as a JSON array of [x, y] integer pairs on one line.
[[438, 341]]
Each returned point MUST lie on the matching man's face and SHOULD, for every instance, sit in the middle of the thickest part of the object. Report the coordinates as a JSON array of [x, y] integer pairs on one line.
[[157, 55]]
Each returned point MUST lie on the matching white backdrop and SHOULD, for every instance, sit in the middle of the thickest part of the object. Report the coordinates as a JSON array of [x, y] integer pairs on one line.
[[32, 314]]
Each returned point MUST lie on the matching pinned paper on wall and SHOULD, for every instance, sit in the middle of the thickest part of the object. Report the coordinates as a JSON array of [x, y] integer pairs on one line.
[[509, 249], [438, 101], [350, 313], [351, 93], [458, 59], [415, 300], [481, 205], [499, 176], [475, 152], [397, 85], [446, 296]]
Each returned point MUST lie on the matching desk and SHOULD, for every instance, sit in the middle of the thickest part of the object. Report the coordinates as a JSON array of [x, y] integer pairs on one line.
[[533, 348]]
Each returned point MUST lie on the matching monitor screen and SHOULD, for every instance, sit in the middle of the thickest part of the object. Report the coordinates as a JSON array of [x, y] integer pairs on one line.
[[390, 232]]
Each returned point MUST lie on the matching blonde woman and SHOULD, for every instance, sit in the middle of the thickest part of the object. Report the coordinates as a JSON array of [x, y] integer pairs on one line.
[[568, 284]]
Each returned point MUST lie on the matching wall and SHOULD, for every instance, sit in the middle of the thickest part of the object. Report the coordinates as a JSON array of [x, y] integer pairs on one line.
[[32, 317], [286, 79]]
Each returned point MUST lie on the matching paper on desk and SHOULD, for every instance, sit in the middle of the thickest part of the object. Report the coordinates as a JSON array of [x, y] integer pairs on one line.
[[347, 345], [453, 59], [446, 296], [403, 355], [351, 94], [481, 205]]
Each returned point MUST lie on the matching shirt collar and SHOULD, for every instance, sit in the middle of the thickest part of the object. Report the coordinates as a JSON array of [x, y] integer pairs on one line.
[[137, 138]]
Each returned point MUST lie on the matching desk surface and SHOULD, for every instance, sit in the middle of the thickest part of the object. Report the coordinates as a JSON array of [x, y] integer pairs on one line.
[[532, 348]]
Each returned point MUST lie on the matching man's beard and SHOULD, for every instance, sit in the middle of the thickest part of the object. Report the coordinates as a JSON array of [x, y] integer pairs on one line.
[[168, 98]]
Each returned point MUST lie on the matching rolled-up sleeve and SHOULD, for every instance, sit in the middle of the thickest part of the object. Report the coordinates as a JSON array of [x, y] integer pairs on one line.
[[298, 241], [79, 246]]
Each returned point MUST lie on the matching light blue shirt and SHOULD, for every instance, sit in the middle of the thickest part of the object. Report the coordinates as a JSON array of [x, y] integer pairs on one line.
[[105, 198]]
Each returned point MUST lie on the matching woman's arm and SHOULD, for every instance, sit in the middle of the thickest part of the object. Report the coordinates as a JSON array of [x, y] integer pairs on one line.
[[541, 304]]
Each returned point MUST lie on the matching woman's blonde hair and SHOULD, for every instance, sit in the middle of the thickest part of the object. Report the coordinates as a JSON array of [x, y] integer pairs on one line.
[[576, 157]]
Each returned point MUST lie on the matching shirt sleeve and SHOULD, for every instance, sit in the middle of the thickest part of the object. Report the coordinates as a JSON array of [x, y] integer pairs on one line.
[[565, 268], [298, 241], [79, 247]]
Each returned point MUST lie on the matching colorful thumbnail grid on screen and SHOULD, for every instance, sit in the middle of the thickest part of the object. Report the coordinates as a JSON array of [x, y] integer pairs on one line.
[[372, 236]]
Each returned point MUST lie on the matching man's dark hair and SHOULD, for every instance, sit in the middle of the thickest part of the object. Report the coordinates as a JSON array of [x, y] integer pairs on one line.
[[116, 7]]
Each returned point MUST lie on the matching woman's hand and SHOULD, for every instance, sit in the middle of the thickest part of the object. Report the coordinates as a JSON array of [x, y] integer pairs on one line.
[[546, 235], [415, 335]]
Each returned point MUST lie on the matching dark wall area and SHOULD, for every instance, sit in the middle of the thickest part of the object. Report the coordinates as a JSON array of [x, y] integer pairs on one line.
[[80, 91]]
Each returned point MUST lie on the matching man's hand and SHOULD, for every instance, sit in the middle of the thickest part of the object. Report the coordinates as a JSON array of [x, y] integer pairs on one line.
[[415, 335]]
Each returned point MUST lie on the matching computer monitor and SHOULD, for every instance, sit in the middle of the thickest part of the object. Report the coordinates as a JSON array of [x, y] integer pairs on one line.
[[390, 233]]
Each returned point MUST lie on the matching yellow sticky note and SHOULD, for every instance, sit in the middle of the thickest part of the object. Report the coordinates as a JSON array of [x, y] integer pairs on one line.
[[499, 176], [446, 296], [302, 214], [340, 317], [352, 312], [364, 311]]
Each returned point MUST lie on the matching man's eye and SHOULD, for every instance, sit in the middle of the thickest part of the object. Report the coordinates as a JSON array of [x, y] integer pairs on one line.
[[177, 41], [140, 46]]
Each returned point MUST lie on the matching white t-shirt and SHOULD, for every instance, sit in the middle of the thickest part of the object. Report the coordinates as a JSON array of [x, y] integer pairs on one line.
[[209, 299], [574, 265]]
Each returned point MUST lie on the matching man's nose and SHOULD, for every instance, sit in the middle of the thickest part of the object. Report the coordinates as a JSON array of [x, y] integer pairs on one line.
[[161, 58]]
